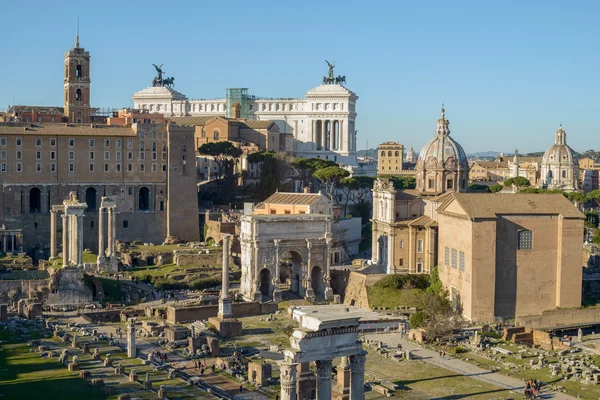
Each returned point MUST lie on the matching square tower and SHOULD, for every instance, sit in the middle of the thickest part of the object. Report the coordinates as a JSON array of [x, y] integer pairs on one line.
[[77, 85]]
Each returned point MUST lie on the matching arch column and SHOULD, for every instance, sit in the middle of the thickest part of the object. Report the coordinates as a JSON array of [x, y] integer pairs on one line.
[[310, 293], [324, 379], [276, 292]]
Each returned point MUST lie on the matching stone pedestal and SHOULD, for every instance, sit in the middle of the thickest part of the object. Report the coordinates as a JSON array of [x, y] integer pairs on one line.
[[225, 308], [131, 348], [310, 294], [120, 370], [227, 327], [162, 392], [85, 349], [133, 376], [287, 378], [328, 294], [147, 382], [277, 296], [341, 390], [73, 366], [324, 379]]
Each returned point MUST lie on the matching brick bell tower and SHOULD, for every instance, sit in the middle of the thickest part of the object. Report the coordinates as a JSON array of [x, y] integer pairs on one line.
[[77, 84]]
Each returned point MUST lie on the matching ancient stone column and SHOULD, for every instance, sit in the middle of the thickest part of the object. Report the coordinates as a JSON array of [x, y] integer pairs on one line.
[[101, 245], [52, 234], [131, 349], [343, 380], [327, 277], [113, 230], [306, 382], [225, 308], [109, 252], [65, 240], [276, 291], [390, 254], [310, 293], [324, 379], [79, 240], [357, 376], [287, 379]]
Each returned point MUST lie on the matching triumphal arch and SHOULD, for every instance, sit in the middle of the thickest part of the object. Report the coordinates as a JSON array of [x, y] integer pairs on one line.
[[280, 249]]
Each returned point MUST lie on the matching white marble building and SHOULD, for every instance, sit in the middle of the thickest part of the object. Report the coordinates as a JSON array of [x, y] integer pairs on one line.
[[322, 123], [560, 169]]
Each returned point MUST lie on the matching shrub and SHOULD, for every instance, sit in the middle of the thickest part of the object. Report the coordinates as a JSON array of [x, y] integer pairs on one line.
[[418, 319], [397, 281], [458, 350], [491, 334], [204, 283]]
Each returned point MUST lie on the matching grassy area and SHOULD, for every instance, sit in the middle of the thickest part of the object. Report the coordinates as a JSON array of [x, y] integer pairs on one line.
[[167, 248], [88, 258], [391, 298], [25, 375], [112, 290], [154, 271]]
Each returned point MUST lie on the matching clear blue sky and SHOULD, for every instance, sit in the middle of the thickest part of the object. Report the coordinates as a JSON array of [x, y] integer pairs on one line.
[[508, 71]]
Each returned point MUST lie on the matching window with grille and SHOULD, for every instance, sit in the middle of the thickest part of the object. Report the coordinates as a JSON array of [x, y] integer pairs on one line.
[[446, 256], [525, 241], [461, 261], [454, 258]]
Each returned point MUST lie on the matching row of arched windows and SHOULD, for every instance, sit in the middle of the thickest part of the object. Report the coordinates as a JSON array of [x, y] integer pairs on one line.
[[35, 199], [389, 153]]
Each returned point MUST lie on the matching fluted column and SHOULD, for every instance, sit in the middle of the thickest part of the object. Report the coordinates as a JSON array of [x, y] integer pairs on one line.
[[101, 245], [276, 291], [390, 254], [65, 239], [357, 376], [111, 239], [225, 306], [52, 234], [79, 240], [324, 379], [287, 378]]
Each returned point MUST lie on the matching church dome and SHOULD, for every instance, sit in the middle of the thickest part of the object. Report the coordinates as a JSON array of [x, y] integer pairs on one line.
[[442, 164], [560, 168], [560, 153], [442, 148]]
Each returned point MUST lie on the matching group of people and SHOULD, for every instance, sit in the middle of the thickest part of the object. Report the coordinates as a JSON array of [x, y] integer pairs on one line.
[[162, 357], [201, 365], [532, 388]]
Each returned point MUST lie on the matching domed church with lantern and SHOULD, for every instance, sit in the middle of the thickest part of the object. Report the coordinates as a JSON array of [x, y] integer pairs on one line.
[[560, 168]]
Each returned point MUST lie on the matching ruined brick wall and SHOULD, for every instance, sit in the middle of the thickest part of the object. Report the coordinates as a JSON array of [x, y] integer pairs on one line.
[[183, 259], [184, 314], [356, 291], [560, 317]]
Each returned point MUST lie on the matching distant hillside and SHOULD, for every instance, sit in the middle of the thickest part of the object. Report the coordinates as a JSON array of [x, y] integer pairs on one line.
[[484, 154]]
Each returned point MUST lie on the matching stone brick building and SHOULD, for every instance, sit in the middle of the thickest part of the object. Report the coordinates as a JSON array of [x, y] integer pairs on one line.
[[149, 166], [503, 255], [390, 158]]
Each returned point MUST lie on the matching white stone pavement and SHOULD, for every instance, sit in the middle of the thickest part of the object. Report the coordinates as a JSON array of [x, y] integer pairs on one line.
[[462, 367]]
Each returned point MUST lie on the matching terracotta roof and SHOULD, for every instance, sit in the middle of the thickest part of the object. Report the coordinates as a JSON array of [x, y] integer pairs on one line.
[[490, 205], [253, 124], [407, 194], [492, 164], [306, 199], [192, 121], [9, 128]]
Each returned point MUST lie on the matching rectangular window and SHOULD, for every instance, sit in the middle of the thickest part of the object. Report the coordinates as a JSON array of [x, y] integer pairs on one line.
[[92, 142], [130, 155], [125, 224], [71, 155], [106, 142], [153, 134], [164, 135], [142, 134], [118, 156], [105, 167], [420, 246], [19, 141], [3, 155], [107, 155], [3, 141], [164, 146], [53, 155], [130, 143], [161, 206], [19, 167], [141, 145], [129, 167], [38, 167], [118, 143], [118, 167], [164, 155], [164, 167], [53, 142], [71, 142], [53, 167], [91, 155], [401, 262], [461, 261], [525, 240], [142, 168], [273, 212], [430, 183], [130, 191], [154, 155], [154, 169], [446, 256], [454, 258], [154, 146], [3, 167], [71, 167], [141, 155], [287, 212], [449, 183], [91, 167], [38, 155], [38, 142], [19, 154]]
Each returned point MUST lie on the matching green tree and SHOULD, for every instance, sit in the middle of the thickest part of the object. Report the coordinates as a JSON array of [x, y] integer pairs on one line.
[[401, 182], [436, 286], [273, 170], [518, 181], [355, 189], [495, 188], [475, 188], [330, 177], [226, 155]]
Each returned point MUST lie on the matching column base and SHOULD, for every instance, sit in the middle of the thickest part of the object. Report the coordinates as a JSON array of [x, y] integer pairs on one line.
[[277, 296], [310, 295], [328, 294], [225, 308]]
